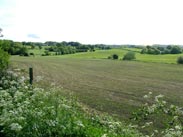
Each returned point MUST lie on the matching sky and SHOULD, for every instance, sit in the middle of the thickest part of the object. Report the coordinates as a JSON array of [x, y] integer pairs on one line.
[[93, 21]]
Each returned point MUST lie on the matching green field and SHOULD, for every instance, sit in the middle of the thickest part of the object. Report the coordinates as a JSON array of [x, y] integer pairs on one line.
[[113, 86], [104, 54]]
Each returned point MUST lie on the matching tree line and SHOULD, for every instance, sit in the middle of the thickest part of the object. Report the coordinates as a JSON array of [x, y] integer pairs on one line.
[[170, 49], [60, 48], [13, 48]]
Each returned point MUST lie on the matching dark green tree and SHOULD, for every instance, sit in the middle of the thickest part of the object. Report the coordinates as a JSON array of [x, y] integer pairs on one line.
[[176, 50], [169, 47], [23, 51], [115, 56], [1, 35]]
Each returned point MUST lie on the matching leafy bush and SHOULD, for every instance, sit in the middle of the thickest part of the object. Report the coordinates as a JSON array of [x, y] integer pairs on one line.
[[180, 60], [129, 56], [30, 111], [4, 60], [32, 54], [114, 56], [47, 53], [109, 57]]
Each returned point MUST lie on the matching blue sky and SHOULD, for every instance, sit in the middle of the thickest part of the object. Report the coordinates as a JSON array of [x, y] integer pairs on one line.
[[93, 21]]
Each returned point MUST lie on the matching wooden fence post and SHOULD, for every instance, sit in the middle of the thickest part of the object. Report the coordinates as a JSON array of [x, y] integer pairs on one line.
[[31, 75]]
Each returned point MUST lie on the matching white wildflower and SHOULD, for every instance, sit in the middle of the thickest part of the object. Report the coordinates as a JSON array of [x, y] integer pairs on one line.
[[172, 106], [15, 75], [53, 84], [111, 126], [39, 78], [15, 127], [160, 96], [104, 135], [178, 127], [148, 123], [175, 117], [164, 102], [26, 87], [79, 123], [66, 106], [146, 96], [52, 123]]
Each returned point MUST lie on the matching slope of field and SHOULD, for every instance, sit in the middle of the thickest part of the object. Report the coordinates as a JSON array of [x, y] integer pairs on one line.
[[116, 87]]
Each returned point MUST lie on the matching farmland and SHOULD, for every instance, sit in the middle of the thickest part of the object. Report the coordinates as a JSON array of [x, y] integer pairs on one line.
[[103, 54], [112, 86]]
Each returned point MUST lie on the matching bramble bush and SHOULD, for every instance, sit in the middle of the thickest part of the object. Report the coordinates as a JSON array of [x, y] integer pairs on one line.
[[29, 111]]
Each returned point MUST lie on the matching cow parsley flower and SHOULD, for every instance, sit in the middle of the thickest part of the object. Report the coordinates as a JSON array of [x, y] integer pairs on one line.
[[15, 127]]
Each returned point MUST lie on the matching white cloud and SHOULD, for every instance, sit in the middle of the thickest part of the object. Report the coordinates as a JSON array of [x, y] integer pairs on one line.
[[97, 21]]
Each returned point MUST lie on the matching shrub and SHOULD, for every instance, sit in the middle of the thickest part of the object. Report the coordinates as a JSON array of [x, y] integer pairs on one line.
[[32, 54], [47, 53], [180, 60], [109, 57], [4, 60], [26, 54], [129, 56], [114, 56]]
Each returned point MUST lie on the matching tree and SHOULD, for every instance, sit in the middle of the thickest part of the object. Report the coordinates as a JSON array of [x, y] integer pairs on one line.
[[161, 48], [144, 51], [32, 46], [23, 51], [40, 47], [129, 56], [6, 45], [150, 50], [166, 51], [169, 47], [1, 35], [4, 60], [176, 50]]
